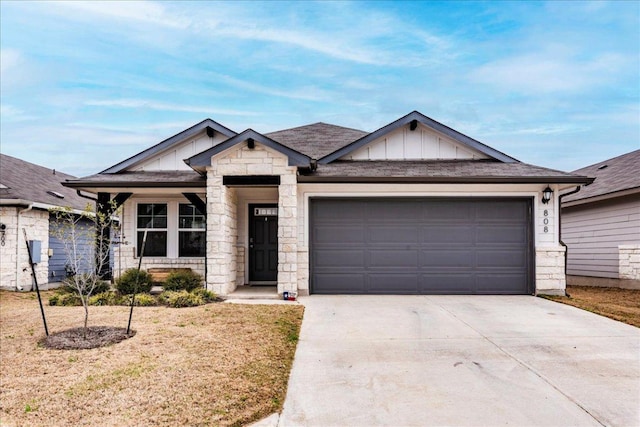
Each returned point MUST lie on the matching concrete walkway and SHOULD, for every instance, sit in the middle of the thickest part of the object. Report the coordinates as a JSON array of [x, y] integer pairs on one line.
[[461, 361]]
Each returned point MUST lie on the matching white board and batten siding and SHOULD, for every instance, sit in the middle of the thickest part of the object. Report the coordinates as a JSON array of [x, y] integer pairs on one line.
[[593, 233], [419, 144], [172, 159]]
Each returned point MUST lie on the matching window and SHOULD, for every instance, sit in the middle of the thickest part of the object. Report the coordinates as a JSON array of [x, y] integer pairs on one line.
[[191, 231], [152, 218]]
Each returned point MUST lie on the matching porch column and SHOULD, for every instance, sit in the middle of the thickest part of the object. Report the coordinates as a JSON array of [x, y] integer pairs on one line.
[[221, 236], [287, 234]]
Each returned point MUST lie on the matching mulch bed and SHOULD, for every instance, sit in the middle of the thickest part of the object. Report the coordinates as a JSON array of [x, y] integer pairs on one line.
[[96, 336]]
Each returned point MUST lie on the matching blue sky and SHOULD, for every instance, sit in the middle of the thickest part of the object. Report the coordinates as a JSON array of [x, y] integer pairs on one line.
[[85, 85]]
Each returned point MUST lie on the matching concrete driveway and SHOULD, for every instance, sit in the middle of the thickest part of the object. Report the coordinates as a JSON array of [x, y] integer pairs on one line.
[[461, 361]]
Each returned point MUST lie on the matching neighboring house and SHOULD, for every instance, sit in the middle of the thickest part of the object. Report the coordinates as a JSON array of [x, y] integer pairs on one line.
[[412, 208], [27, 192], [601, 224]]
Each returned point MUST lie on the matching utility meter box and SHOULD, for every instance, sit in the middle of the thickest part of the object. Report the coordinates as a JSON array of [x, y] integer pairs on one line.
[[35, 247]]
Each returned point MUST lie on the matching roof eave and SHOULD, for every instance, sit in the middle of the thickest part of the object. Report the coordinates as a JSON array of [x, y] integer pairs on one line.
[[134, 184], [444, 179], [601, 197]]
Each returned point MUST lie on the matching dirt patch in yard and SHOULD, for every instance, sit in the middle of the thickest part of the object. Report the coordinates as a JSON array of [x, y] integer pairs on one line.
[[615, 303], [79, 339], [217, 364]]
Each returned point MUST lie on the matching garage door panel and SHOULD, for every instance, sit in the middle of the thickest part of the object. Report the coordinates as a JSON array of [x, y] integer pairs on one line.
[[339, 258], [393, 283], [497, 234], [447, 284], [327, 210], [327, 283], [496, 283], [503, 211], [421, 245], [390, 258], [336, 234], [389, 234], [447, 211], [383, 211], [447, 234], [502, 259], [439, 258]]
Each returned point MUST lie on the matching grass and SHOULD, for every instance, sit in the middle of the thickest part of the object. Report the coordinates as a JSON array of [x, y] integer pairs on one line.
[[217, 364], [618, 304]]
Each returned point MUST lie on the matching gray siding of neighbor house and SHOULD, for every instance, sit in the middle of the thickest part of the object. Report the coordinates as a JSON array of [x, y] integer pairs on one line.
[[59, 259], [592, 233]]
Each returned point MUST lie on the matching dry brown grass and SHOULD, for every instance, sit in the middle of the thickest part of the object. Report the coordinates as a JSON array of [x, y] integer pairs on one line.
[[617, 304], [218, 364]]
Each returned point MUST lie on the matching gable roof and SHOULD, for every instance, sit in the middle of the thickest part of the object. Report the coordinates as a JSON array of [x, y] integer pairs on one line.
[[202, 160], [23, 183], [614, 177], [318, 139], [169, 142], [419, 118], [438, 171]]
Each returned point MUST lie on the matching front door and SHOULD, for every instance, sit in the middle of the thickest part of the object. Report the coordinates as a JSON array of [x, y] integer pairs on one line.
[[263, 244]]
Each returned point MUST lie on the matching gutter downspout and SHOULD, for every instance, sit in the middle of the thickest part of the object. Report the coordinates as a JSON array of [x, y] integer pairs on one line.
[[21, 211], [79, 193], [566, 248]]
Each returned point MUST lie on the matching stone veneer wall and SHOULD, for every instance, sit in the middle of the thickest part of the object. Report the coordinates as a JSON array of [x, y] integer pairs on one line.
[[14, 258], [629, 262], [222, 236], [550, 277]]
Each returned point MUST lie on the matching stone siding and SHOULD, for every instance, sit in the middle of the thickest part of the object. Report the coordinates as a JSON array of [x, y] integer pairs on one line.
[[15, 270], [550, 277], [224, 257], [629, 261]]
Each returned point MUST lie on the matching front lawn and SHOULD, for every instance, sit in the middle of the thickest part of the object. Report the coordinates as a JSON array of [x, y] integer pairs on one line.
[[216, 364], [617, 304]]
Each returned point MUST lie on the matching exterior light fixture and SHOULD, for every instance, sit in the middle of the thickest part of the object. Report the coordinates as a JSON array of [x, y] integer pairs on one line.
[[546, 195]]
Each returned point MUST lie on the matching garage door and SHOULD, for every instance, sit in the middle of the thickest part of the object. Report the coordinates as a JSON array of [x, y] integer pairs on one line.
[[421, 246]]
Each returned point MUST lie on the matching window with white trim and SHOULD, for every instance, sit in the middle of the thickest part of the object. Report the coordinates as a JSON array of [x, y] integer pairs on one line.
[[191, 231], [152, 218]]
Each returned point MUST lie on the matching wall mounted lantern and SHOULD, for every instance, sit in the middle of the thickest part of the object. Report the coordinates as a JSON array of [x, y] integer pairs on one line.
[[546, 195]]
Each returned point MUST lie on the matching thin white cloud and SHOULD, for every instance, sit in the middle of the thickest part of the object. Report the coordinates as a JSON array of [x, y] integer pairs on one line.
[[148, 12], [9, 60], [546, 72], [163, 106], [9, 113]]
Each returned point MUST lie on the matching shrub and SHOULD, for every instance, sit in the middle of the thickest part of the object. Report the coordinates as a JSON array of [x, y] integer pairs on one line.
[[127, 282], [206, 295], [65, 299], [105, 298], [142, 300], [177, 299], [100, 287], [183, 280]]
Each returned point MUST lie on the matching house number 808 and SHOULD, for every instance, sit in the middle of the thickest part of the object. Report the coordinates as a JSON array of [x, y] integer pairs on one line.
[[546, 221]]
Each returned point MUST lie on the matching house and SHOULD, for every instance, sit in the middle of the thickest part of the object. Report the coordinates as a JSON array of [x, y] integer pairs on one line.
[[412, 208], [601, 225], [27, 193]]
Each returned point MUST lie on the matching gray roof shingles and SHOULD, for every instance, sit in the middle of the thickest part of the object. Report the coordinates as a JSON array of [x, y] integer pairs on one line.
[[440, 170], [142, 179], [621, 173], [31, 183], [318, 139]]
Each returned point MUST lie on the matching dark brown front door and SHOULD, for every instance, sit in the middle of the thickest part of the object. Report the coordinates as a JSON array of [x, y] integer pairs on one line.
[[263, 243]]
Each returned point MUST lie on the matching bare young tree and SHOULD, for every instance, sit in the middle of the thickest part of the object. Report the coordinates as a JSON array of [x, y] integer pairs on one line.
[[84, 265]]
